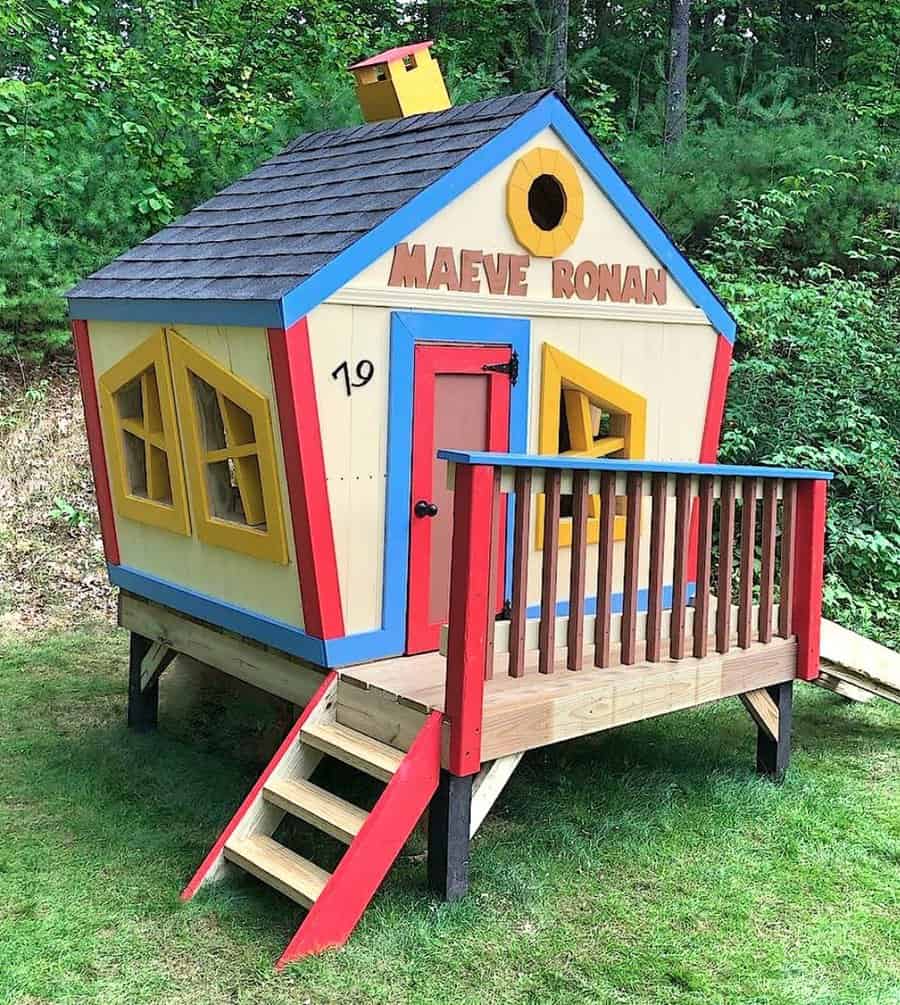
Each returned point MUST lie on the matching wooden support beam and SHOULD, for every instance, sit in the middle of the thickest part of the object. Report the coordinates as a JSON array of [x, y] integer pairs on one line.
[[763, 710], [275, 672], [448, 836], [143, 702], [839, 686], [158, 657], [773, 753], [488, 785]]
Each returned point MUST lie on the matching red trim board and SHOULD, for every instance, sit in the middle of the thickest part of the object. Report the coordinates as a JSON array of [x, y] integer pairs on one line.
[[431, 360], [712, 433], [85, 364], [215, 853], [304, 465], [809, 547], [380, 840]]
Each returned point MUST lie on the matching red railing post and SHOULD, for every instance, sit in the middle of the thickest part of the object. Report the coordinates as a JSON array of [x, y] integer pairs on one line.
[[474, 498], [809, 562]]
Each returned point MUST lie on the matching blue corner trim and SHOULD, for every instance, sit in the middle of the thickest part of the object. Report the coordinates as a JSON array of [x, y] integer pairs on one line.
[[407, 329], [250, 313], [278, 634], [513, 460]]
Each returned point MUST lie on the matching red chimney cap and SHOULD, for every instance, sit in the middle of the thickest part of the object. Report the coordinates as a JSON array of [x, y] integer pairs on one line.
[[391, 54]]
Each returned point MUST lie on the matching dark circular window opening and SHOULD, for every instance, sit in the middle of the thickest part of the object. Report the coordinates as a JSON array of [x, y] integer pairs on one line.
[[546, 202]]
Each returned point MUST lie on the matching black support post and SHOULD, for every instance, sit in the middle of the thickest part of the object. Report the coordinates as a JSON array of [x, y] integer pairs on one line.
[[774, 754], [143, 706], [448, 836]]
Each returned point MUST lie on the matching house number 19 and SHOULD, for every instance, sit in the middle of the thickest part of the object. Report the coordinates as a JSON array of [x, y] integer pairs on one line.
[[365, 371]]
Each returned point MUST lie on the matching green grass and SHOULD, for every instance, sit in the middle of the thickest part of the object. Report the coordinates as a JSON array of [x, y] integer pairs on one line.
[[644, 866]]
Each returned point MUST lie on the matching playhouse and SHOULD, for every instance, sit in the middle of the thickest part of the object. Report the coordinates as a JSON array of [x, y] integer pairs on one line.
[[416, 426]]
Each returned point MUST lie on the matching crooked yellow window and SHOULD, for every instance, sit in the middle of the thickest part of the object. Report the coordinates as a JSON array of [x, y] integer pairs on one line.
[[584, 413], [230, 452], [146, 471]]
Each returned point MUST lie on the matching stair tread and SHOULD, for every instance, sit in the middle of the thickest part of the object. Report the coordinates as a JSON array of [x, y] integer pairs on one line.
[[317, 806], [354, 748], [285, 870]]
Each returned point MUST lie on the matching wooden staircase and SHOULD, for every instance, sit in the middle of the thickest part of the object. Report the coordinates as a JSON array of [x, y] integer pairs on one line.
[[335, 900]]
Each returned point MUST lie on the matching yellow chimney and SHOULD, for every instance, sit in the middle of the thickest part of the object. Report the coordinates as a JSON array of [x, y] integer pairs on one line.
[[400, 82]]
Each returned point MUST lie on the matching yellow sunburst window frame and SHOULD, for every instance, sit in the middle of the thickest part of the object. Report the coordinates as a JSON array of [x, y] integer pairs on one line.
[[237, 459], [578, 386], [137, 408], [527, 170]]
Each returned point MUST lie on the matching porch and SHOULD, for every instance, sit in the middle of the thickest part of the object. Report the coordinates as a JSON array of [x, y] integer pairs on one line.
[[703, 582], [715, 592]]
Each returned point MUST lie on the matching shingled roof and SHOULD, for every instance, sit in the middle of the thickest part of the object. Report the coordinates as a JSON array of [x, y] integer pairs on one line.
[[264, 235]]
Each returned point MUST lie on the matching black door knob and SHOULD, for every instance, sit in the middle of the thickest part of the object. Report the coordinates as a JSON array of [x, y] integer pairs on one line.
[[425, 508]]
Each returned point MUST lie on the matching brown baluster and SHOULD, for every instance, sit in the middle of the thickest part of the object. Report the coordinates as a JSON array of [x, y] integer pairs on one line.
[[767, 562], [788, 536], [547, 629], [726, 564], [632, 557], [748, 553], [604, 568], [679, 571], [657, 549], [518, 612], [575, 636], [704, 567]]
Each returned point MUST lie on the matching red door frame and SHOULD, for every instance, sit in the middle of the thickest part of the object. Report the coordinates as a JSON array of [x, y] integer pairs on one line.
[[432, 359]]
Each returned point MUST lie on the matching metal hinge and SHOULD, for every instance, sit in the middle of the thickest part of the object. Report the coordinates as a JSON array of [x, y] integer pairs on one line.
[[511, 368]]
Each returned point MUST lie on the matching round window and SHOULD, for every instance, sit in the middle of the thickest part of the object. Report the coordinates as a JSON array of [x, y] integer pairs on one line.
[[544, 202]]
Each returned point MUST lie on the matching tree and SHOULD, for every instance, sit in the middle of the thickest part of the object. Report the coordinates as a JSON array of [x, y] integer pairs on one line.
[[559, 45], [676, 92], [550, 42]]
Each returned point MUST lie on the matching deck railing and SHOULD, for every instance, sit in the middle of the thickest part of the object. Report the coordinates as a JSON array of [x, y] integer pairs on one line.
[[709, 541]]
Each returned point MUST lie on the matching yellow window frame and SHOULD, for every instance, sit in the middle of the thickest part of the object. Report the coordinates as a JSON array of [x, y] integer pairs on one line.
[[163, 503], [580, 386], [248, 450]]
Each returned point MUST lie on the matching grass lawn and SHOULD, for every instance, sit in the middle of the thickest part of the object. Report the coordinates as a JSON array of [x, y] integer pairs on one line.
[[648, 865]]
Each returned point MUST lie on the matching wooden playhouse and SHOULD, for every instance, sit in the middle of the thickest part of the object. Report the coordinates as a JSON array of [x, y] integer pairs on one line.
[[416, 426]]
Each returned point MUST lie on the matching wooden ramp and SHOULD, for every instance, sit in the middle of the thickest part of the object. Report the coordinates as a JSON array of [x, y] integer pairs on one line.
[[859, 662], [335, 901]]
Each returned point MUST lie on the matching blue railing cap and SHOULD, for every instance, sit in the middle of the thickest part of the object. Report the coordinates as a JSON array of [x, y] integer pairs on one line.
[[590, 464]]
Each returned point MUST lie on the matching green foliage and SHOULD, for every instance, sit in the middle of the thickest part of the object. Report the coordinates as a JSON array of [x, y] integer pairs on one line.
[[115, 118], [816, 383]]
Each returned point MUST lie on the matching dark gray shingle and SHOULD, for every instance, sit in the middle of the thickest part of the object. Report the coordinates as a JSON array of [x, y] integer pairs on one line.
[[263, 235]]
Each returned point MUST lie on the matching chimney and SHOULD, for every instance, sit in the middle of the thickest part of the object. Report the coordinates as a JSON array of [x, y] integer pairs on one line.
[[400, 82]]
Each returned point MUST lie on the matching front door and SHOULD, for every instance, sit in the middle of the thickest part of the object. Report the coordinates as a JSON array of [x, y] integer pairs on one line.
[[458, 404]]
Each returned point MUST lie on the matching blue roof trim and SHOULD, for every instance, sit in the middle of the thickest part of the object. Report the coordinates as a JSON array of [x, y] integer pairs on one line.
[[349, 263], [661, 467], [569, 128], [549, 111], [250, 313]]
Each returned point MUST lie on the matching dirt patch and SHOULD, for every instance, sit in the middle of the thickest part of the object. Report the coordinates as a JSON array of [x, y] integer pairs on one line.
[[52, 570]]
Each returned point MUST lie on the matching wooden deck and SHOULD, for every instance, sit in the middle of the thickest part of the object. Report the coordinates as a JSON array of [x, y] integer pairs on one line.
[[391, 697]]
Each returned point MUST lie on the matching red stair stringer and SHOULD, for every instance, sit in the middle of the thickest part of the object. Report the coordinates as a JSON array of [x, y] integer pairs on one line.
[[215, 860], [374, 849]]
